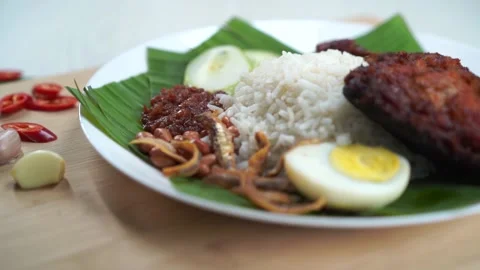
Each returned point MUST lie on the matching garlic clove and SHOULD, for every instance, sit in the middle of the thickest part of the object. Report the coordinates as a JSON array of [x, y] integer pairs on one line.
[[10, 145], [39, 168]]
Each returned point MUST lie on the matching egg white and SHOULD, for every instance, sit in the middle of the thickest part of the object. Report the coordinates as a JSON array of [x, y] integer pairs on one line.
[[310, 170]]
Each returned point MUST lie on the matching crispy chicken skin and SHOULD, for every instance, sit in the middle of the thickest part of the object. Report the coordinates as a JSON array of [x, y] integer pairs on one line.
[[427, 100], [343, 45]]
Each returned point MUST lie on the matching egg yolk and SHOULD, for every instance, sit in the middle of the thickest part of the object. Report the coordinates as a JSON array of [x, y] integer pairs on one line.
[[374, 164]]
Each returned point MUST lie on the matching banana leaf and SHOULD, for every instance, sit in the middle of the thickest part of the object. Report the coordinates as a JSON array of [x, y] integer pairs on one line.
[[116, 109]]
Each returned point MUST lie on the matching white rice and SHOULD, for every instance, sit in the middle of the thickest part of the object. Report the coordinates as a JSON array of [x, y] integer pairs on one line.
[[296, 97]]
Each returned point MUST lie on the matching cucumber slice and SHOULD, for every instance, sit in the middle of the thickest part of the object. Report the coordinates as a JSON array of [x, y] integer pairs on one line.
[[255, 57], [218, 68]]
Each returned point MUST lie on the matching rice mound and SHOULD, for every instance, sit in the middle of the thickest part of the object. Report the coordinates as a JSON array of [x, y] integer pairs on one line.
[[299, 96]]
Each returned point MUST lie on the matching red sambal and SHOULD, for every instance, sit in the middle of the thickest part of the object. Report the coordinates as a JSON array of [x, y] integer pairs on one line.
[[175, 109]]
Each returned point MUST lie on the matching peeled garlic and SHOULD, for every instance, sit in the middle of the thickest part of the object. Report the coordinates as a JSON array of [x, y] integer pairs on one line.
[[39, 168], [10, 145]]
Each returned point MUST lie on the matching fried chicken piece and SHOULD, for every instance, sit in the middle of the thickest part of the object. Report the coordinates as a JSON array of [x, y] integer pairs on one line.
[[343, 45], [427, 100]]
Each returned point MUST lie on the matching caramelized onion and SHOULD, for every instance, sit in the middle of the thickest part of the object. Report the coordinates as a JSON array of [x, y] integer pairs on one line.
[[265, 201], [257, 160], [162, 146], [191, 166]]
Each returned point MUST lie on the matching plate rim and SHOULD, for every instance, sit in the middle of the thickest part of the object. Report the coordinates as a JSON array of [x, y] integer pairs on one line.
[[259, 215]]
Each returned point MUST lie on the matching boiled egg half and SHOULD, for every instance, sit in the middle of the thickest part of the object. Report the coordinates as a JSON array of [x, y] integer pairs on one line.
[[350, 177]]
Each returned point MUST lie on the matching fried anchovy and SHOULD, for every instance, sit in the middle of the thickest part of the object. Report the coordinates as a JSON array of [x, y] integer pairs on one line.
[[221, 139]]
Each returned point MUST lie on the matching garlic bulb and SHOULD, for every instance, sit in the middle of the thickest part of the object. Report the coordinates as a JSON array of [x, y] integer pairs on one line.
[[10, 145]]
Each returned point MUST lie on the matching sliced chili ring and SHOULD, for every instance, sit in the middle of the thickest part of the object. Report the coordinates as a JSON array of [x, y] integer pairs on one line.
[[58, 104], [13, 102], [31, 132], [10, 75], [46, 90]]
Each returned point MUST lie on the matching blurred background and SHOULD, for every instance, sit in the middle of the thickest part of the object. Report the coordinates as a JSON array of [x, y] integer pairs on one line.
[[54, 36]]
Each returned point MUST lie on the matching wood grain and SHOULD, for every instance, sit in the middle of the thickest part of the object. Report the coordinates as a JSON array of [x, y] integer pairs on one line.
[[100, 219]]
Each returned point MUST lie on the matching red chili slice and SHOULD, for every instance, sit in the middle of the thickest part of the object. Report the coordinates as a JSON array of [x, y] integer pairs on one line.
[[10, 75], [13, 102], [31, 132], [46, 90], [58, 104]]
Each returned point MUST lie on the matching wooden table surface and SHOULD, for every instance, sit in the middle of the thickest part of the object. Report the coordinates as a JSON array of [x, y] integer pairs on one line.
[[100, 219]]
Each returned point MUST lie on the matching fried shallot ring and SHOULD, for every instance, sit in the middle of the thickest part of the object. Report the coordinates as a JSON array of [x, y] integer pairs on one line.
[[258, 198], [257, 160], [188, 168], [230, 179], [277, 169], [277, 183], [165, 147], [223, 177], [277, 197]]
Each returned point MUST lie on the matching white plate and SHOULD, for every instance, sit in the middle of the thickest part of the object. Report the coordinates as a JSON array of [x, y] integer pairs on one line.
[[300, 34]]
